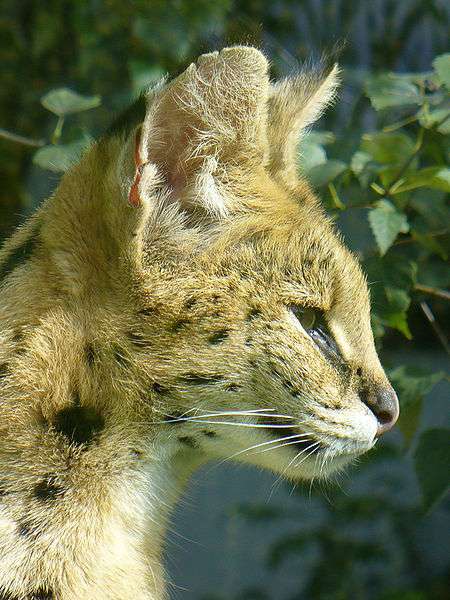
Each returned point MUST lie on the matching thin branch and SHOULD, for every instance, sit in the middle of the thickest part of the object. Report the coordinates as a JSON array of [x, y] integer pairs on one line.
[[435, 326], [444, 294], [20, 139]]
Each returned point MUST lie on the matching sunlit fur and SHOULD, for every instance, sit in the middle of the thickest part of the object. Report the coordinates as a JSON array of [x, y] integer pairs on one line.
[[148, 322]]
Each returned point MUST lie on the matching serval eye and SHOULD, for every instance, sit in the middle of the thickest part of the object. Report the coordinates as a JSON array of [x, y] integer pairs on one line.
[[306, 316]]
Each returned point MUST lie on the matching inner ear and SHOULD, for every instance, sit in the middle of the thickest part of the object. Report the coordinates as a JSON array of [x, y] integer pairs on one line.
[[209, 120]]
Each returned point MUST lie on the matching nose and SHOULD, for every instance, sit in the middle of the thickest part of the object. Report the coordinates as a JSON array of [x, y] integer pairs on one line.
[[383, 402]]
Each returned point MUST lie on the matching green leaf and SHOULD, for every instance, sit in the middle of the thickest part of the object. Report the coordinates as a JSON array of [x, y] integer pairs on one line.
[[59, 158], [143, 75], [310, 155], [430, 118], [63, 102], [388, 90], [441, 65], [432, 463], [388, 148], [326, 172], [386, 223], [322, 138], [359, 162], [412, 384], [432, 177]]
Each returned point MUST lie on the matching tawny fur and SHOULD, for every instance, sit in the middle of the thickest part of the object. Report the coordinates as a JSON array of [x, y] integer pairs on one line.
[[116, 317]]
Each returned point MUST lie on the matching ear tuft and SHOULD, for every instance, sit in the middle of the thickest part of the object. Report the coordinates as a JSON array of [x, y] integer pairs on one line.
[[295, 104]]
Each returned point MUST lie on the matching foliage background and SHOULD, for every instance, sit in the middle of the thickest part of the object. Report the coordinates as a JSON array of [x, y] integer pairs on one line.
[[383, 173]]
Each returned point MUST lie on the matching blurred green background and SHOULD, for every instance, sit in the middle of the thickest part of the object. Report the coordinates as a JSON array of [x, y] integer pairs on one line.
[[379, 159]]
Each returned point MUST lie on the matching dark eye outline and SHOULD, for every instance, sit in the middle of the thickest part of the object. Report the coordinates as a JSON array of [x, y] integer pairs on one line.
[[306, 316]]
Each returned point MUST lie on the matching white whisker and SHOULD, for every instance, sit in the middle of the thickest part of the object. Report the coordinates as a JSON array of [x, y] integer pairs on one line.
[[286, 444]]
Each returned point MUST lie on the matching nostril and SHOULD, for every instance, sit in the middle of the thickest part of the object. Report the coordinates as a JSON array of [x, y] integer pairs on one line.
[[383, 402]]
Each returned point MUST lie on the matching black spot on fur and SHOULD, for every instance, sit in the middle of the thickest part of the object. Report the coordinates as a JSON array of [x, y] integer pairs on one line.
[[232, 387], [148, 311], [253, 313], [3, 491], [19, 255], [189, 441], [47, 490], [17, 336], [4, 370], [249, 341], [26, 529], [79, 424], [210, 434], [178, 325], [41, 594], [359, 372], [215, 298], [90, 354], [159, 389], [194, 379], [190, 302], [219, 336], [7, 596]]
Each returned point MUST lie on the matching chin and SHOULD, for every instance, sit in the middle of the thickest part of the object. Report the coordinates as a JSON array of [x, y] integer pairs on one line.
[[303, 463]]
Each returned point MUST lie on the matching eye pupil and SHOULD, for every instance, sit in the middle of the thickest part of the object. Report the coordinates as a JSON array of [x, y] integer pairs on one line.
[[306, 316]]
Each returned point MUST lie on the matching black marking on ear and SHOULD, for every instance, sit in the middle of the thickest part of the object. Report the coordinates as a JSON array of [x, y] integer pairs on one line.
[[178, 325], [219, 336], [120, 355], [195, 379], [189, 303], [4, 370], [253, 313], [189, 441], [47, 490], [79, 424], [19, 255], [159, 389], [208, 433], [90, 354], [41, 594]]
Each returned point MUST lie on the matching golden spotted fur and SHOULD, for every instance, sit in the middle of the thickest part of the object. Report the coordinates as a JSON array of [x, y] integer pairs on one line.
[[138, 342]]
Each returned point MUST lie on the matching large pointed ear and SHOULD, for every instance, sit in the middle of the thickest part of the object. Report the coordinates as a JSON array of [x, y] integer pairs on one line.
[[202, 124], [295, 104]]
